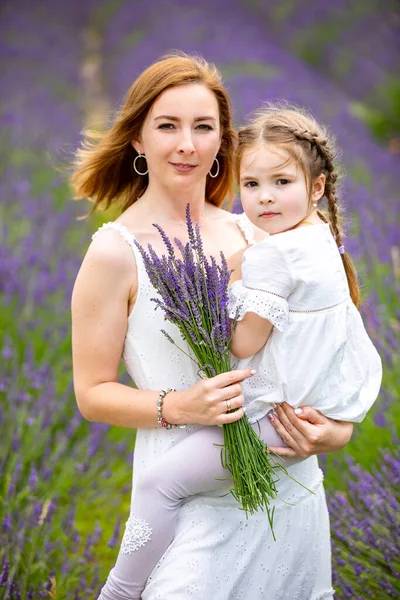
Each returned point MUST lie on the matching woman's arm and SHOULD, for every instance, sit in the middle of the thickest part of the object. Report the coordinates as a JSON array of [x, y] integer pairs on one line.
[[105, 287], [309, 432]]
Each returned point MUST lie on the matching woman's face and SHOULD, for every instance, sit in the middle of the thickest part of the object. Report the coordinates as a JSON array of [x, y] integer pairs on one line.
[[181, 136]]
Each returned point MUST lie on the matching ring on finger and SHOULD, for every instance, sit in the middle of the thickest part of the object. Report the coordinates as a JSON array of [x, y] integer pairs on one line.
[[228, 405]]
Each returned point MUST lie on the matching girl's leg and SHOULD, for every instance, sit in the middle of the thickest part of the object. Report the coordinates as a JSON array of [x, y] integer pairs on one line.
[[191, 467]]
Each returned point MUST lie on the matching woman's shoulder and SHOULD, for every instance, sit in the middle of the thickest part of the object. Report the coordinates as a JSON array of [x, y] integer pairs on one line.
[[111, 248], [107, 272]]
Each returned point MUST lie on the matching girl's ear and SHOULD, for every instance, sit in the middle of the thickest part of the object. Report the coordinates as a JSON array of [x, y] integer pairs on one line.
[[318, 188]]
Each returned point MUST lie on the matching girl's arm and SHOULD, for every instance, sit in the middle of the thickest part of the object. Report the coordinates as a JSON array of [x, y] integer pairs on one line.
[[250, 335], [251, 332], [106, 285]]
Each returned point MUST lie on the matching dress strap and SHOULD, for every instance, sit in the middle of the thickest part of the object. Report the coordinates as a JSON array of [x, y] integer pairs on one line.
[[126, 234], [246, 227]]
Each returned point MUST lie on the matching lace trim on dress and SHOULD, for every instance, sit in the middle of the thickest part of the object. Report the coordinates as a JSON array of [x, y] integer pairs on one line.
[[128, 237], [315, 310], [246, 227], [137, 534], [266, 305]]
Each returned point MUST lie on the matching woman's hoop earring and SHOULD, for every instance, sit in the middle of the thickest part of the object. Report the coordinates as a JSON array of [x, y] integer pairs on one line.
[[134, 164], [217, 173]]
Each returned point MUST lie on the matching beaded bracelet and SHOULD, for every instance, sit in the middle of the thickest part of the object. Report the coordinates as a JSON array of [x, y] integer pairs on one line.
[[160, 419]]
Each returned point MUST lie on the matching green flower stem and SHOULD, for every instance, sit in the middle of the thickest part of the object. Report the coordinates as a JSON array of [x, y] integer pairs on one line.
[[253, 470]]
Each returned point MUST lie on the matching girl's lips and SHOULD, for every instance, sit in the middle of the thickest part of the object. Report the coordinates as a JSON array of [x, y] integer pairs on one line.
[[269, 215], [183, 167]]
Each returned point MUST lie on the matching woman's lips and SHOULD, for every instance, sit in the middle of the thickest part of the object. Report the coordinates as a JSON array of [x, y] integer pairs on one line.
[[183, 167]]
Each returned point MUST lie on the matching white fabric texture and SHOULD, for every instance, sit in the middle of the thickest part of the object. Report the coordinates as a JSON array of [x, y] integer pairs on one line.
[[266, 305], [246, 227], [216, 552], [322, 355], [159, 494]]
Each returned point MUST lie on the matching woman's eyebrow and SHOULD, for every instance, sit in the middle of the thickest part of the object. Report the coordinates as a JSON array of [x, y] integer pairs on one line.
[[205, 119], [172, 118]]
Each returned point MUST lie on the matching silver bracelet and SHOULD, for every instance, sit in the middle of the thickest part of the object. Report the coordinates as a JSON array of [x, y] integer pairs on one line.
[[160, 419]]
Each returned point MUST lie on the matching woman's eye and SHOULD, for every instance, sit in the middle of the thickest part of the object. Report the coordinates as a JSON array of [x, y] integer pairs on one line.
[[205, 127], [166, 126], [282, 182], [250, 184]]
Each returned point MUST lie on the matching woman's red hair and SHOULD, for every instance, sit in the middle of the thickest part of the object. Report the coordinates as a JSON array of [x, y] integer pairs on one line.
[[103, 166]]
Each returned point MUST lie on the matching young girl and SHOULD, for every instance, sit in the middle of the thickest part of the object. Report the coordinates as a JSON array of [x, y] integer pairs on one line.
[[298, 287], [299, 323]]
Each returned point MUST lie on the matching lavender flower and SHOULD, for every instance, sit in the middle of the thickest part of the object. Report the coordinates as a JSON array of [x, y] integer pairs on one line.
[[187, 289], [112, 542], [5, 571], [365, 529]]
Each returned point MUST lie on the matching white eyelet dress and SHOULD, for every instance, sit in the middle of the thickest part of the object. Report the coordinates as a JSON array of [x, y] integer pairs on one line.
[[319, 353], [218, 554]]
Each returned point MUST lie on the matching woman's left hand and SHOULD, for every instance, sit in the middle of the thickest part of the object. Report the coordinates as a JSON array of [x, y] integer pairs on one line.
[[309, 432]]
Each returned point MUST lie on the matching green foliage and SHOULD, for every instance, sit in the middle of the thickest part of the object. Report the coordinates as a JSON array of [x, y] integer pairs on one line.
[[383, 116]]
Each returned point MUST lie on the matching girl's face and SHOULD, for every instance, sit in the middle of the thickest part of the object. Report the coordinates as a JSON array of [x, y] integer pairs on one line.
[[273, 189], [181, 136]]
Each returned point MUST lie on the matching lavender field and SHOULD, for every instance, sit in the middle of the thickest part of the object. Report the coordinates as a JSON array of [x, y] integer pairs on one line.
[[65, 483]]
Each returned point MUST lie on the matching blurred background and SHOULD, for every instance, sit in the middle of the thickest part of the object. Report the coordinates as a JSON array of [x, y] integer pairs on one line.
[[65, 483]]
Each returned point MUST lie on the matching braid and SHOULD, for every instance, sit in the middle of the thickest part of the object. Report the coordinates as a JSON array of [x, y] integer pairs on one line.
[[334, 221], [316, 141], [303, 134], [321, 147]]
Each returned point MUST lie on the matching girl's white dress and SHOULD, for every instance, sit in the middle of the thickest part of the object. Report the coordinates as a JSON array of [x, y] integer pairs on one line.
[[319, 352], [217, 553]]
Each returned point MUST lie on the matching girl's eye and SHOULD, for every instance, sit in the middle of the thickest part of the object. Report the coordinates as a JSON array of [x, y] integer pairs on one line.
[[166, 126], [250, 184], [282, 182]]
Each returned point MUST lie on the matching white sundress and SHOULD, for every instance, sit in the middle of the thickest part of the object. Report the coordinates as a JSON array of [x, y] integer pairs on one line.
[[217, 553]]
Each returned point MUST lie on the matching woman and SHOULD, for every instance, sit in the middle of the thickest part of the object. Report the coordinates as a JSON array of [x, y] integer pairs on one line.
[[172, 143]]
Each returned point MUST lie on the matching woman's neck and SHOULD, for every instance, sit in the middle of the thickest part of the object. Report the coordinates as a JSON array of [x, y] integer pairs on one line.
[[170, 204]]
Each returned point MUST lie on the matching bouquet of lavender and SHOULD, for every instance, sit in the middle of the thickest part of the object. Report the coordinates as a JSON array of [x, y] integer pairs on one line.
[[193, 293]]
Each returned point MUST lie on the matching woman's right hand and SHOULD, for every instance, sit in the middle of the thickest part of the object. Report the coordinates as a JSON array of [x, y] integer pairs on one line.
[[209, 401], [307, 431]]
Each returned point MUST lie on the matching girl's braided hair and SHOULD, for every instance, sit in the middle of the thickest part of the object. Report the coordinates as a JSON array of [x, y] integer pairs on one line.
[[313, 147]]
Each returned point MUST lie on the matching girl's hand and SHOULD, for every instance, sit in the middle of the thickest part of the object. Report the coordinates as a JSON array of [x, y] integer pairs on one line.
[[209, 401], [309, 432]]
